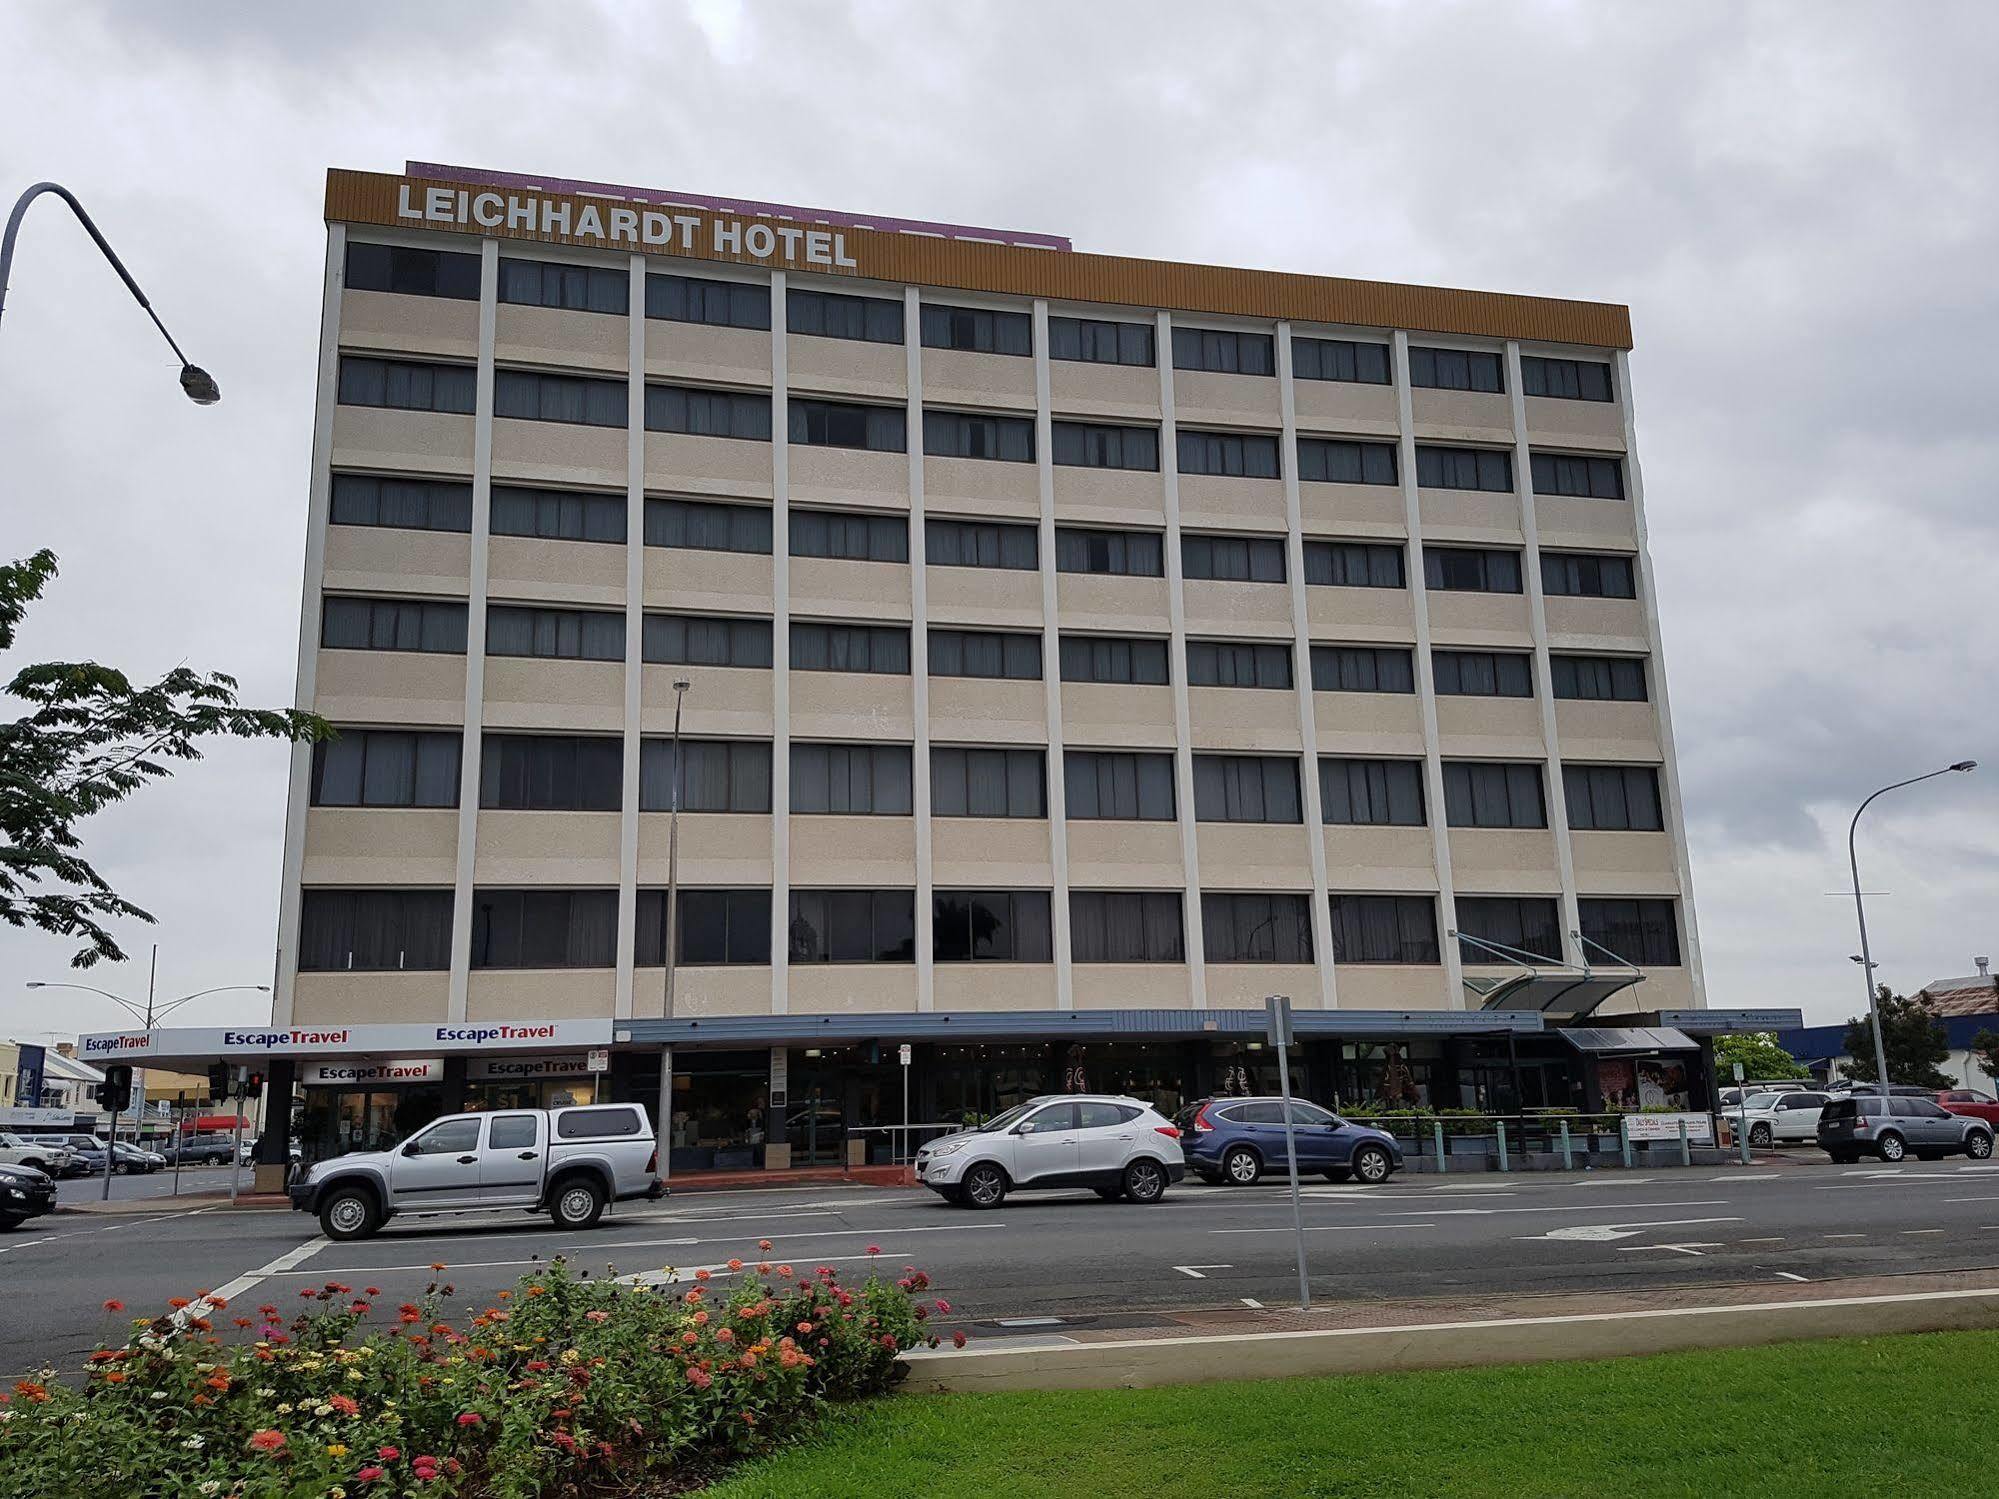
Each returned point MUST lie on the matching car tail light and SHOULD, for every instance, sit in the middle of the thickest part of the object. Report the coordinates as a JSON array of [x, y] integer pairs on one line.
[[652, 1162], [1168, 1130], [1202, 1124]]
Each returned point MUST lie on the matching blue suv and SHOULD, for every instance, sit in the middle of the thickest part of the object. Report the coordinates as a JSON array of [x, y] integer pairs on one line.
[[1235, 1140]]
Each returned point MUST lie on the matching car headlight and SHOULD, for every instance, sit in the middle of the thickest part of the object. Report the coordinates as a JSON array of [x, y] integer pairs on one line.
[[14, 1191], [948, 1147]]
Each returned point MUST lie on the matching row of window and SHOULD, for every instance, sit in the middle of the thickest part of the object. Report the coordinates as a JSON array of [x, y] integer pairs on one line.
[[568, 773], [531, 395], [410, 930], [384, 624]]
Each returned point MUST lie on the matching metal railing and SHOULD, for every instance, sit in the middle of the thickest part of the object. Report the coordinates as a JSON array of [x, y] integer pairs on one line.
[[902, 1140], [1575, 1140]]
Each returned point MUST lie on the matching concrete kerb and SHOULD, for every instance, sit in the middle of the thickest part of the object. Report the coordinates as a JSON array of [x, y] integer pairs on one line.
[[1147, 1362]]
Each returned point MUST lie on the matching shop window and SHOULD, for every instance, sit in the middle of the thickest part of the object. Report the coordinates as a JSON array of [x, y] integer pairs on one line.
[[992, 926], [853, 926]]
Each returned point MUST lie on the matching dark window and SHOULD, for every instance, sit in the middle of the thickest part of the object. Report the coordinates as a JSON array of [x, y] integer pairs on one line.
[[1354, 564], [716, 928], [1455, 369], [1570, 474], [1248, 455], [1100, 445], [1613, 798], [1339, 359], [558, 514], [375, 931], [1639, 931], [1126, 926], [1565, 379], [534, 397], [387, 768], [1587, 575], [845, 424], [1363, 668], [1113, 658], [1130, 554], [829, 314], [707, 413], [1619, 679], [1326, 460], [406, 504], [413, 273], [1464, 468], [1471, 569], [701, 525], [512, 1132], [988, 782], [697, 640], [851, 779], [967, 543], [992, 926], [1271, 1112], [1371, 793], [1120, 785], [551, 773], [1106, 1115], [716, 775], [699, 299], [348, 624], [1230, 663], [985, 653], [544, 928], [1483, 673], [853, 926], [574, 288], [449, 1137], [1235, 559], [406, 385], [556, 634], [849, 536], [961, 434], [1224, 353], [977, 330], [599, 1124], [872, 648], [1095, 341], [1529, 924], [1493, 794], [1246, 788], [1385, 929], [1256, 928]]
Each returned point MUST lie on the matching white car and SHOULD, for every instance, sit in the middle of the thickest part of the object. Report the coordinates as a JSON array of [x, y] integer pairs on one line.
[[1116, 1146], [40, 1155], [1774, 1117]]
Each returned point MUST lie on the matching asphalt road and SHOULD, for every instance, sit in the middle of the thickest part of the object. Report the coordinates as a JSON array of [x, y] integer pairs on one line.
[[155, 1184], [1063, 1254]]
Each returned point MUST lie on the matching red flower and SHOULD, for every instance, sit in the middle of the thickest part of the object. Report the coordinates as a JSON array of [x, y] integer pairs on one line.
[[957, 1340], [764, 1244], [469, 1418], [943, 1306], [215, 1303], [370, 1473], [177, 1302], [114, 1305], [388, 1454], [874, 1249], [749, 1419], [370, 1291], [268, 1440]]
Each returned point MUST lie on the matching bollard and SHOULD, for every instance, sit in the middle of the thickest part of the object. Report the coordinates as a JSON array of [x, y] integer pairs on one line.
[[1624, 1137], [1502, 1146], [1744, 1143], [1567, 1164], [1437, 1134], [1686, 1153]]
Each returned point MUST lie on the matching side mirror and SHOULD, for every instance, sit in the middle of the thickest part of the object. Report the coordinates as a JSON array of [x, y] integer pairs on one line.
[[1026, 1128], [411, 1149]]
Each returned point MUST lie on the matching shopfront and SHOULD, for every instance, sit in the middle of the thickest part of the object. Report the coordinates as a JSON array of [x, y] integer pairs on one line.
[[365, 1105], [529, 1082]]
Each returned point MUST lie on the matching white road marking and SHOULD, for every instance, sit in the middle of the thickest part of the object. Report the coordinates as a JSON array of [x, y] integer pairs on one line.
[[1971, 1199], [1321, 1228], [284, 1264], [1252, 1301], [1922, 1230], [1698, 1251], [1194, 1272], [1774, 1239], [1748, 1176], [1846, 1236], [1789, 1276], [1713, 1202], [1597, 1233]]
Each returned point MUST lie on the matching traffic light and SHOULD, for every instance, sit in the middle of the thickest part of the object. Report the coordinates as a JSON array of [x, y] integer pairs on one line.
[[218, 1080], [253, 1084], [115, 1092]]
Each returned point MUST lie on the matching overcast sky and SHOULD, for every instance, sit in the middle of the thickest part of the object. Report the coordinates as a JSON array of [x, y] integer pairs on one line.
[[1800, 205]]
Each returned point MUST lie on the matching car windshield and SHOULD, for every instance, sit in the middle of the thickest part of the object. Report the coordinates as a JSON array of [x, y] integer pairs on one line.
[[1760, 1100], [1006, 1120]]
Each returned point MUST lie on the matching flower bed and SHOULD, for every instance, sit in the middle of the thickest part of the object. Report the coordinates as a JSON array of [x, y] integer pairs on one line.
[[566, 1384]]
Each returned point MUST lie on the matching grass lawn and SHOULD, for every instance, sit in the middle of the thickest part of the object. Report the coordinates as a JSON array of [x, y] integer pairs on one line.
[[1897, 1415]]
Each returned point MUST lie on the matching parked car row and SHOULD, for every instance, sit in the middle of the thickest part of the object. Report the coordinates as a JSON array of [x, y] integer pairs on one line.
[[77, 1154], [24, 1193]]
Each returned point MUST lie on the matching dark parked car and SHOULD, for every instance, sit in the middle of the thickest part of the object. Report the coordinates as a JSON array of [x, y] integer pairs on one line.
[[1236, 1140], [200, 1150], [24, 1193], [1897, 1126]]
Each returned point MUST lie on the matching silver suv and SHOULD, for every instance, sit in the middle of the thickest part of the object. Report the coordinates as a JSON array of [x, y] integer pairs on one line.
[[569, 1163], [1118, 1147], [1897, 1126]]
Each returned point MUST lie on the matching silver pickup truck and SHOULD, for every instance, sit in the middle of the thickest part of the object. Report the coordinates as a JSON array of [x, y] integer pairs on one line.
[[569, 1163]]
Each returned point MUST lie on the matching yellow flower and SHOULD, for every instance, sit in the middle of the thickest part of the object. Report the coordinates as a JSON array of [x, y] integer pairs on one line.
[[284, 1408], [336, 1449], [354, 1375]]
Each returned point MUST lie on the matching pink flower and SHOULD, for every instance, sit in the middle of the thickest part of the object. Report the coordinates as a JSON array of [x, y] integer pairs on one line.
[[469, 1418], [699, 1378], [943, 1307], [957, 1340], [370, 1473], [599, 1315], [874, 1249]]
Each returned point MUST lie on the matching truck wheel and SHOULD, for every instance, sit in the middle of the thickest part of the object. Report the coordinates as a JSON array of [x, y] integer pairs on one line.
[[350, 1213], [577, 1203]]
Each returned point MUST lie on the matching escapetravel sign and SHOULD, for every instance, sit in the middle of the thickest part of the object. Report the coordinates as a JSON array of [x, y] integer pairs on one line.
[[346, 1040]]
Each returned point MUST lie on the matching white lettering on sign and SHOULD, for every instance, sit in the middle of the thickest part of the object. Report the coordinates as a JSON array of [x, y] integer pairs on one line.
[[531, 214]]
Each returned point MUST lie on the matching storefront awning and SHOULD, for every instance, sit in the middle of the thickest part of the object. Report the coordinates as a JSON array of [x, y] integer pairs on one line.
[[1565, 995], [1626, 1041]]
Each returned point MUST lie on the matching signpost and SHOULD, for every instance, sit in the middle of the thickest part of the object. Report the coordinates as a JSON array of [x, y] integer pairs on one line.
[[903, 1055], [238, 1077], [598, 1059], [1742, 1115], [1277, 1029]]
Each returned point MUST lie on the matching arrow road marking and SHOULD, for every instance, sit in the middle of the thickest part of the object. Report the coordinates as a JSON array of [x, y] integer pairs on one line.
[[1193, 1272], [1598, 1233]]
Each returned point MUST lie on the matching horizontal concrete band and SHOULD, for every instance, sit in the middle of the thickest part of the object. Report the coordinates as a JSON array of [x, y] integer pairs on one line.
[[1144, 1362]]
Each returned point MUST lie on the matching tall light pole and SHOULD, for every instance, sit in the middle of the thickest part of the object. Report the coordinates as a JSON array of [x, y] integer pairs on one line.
[[1860, 911], [196, 381], [673, 841]]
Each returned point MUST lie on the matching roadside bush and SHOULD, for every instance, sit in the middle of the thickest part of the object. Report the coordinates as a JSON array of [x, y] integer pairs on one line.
[[565, 1384]]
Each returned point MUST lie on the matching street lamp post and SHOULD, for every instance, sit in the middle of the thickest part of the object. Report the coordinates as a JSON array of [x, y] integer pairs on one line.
[[196, 381], [1860, 911], [673, 841]]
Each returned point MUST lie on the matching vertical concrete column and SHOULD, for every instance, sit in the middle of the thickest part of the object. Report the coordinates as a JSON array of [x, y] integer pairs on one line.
[[475, 632], [319, 490], [1301, 672], [1426, 678], [780, 655], [1669, 774], [1051, 663], [919, 652], [635, 575], [1176, 615]]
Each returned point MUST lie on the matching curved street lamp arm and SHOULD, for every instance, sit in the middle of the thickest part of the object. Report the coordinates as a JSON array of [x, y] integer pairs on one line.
[[117, 999], [175, 1004], [90, 227]]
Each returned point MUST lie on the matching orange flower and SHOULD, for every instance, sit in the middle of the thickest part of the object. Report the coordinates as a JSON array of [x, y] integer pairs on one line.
[[218, 1381], [702, 1275], [177, 1302], [735, 1264], [346, 1405], [268, 1440], [764, 1245], [114, 1305], [116, 1376]]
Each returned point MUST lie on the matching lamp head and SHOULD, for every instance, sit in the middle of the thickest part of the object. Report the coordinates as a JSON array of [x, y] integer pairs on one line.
[[199, 385], [682, 685], [1965, 765]]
